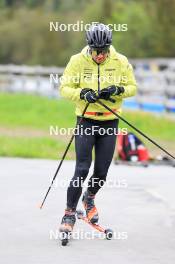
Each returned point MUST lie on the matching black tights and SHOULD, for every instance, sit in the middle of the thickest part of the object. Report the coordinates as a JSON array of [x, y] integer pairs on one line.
[[104, 149]]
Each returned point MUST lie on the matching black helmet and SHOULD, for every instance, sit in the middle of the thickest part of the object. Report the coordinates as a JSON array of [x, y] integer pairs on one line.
[[99, 36]]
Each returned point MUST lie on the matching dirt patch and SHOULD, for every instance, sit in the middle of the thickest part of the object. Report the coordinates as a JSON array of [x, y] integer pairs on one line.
[[30, 133]]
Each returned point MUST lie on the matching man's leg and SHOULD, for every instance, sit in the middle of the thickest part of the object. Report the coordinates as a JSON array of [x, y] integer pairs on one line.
[[104, 151], [83, 147]]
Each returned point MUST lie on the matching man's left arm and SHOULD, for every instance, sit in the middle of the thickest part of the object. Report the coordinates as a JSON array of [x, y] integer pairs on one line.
[[128, 82]]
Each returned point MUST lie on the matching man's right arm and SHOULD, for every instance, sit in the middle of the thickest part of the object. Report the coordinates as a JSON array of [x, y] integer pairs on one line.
[[70, 81]]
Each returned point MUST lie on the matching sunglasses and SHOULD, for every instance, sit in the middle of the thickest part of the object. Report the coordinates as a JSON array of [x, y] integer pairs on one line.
[[96, 52]]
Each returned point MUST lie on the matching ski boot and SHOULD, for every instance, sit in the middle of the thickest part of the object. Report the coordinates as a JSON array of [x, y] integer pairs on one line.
[[67, 225], [89, 206]]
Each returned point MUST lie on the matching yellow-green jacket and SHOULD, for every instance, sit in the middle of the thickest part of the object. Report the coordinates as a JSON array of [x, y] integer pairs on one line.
[[82, 72]]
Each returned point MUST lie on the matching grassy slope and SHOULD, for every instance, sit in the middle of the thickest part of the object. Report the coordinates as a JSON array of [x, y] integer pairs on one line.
[[36, 114]]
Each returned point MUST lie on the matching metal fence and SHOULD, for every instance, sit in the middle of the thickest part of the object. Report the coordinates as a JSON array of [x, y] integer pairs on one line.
[[155, 78], [156, 85], [30, 79]]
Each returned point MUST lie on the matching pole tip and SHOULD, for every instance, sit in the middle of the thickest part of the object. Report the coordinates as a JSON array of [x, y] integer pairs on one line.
[[39, 206]]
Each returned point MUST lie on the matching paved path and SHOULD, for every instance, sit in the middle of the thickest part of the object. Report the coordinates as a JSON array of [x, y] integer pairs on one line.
[[140, 208]]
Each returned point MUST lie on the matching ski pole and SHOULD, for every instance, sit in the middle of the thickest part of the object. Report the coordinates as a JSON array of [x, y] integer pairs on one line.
[[63, 157], [138, 130]]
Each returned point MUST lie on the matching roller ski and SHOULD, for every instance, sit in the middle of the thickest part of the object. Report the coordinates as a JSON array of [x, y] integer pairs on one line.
[[66, 227], [153, 161], [132, 163], [108, 232], [92, 216]]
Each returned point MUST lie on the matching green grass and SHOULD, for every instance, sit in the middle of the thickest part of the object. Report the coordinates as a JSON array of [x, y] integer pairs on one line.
[[158, 126], [19, 113], [33, 148], [18, 110]]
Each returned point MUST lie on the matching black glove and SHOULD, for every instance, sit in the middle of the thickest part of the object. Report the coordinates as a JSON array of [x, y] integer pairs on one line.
[[111, 90], [88, 95]]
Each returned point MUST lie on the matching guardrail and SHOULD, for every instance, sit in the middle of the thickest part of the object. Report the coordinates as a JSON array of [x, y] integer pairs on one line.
[[155, 78]]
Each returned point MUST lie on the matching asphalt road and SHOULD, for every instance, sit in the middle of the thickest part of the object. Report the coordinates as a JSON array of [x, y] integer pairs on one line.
[[137, 203]]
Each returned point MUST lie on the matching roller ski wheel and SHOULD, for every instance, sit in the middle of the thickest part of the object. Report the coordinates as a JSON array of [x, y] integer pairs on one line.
[[64, 242], [109, 234], [65, 237]]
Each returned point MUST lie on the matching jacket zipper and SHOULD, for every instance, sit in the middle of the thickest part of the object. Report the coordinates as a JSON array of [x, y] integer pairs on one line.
[[98, 78]]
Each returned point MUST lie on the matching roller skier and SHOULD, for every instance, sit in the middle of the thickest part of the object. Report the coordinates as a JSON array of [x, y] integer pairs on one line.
[[98, 72]]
